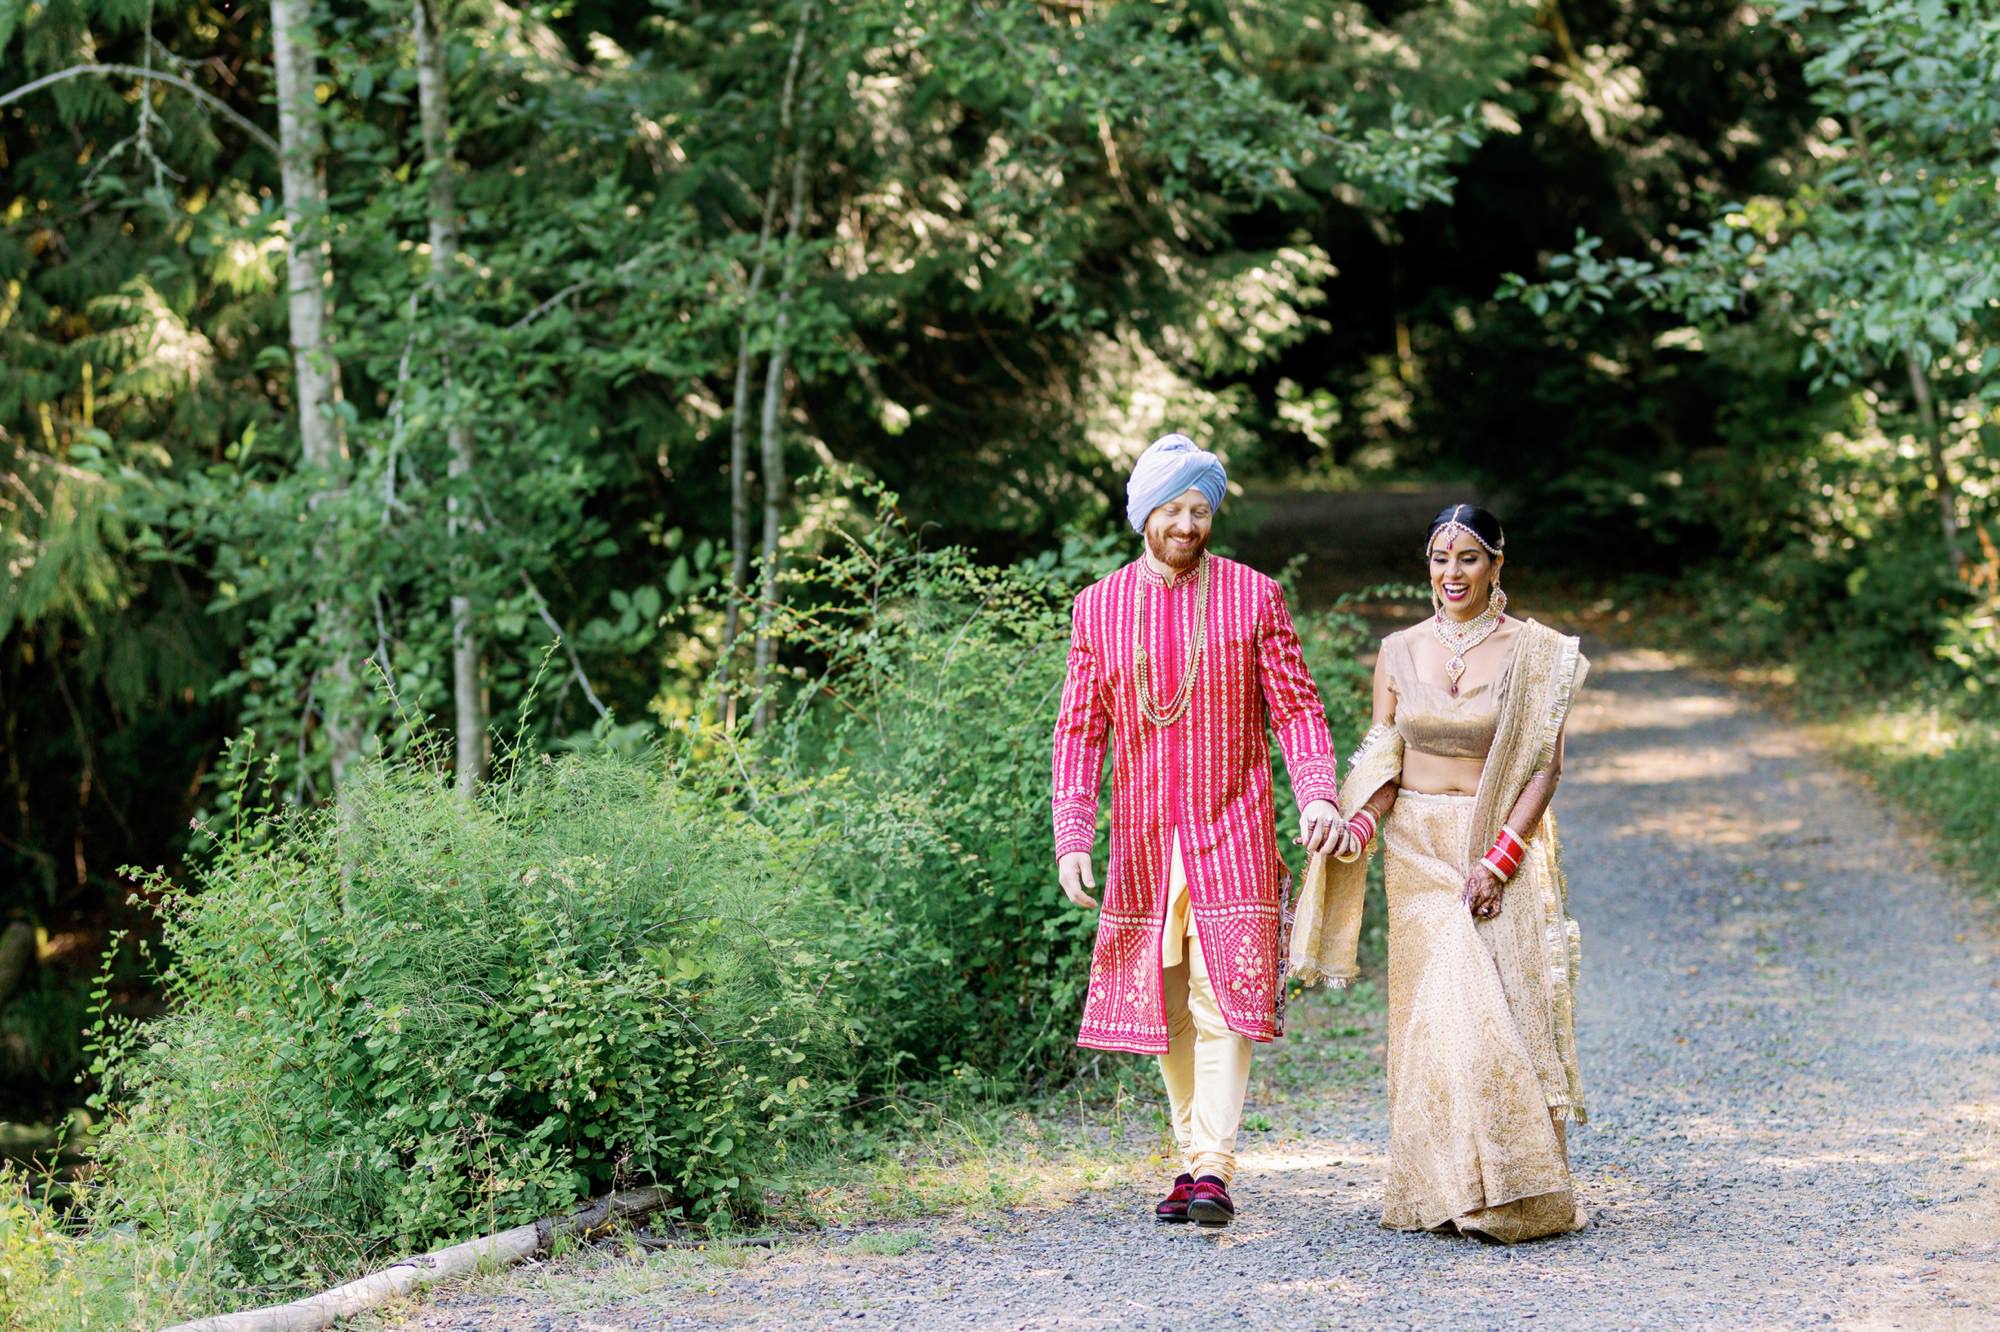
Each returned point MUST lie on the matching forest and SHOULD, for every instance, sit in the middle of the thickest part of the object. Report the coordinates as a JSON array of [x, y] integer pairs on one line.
[[528, 519]]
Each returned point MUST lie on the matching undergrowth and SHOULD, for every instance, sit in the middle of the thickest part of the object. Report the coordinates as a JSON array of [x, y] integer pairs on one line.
[[425, 1019], [796, 977]]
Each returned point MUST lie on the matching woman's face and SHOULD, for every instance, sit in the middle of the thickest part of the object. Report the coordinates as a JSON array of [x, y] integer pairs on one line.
[[1462, 574]]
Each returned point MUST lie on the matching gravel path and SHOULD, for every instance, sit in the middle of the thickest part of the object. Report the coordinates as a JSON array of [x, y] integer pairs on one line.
[[1790, 1029]]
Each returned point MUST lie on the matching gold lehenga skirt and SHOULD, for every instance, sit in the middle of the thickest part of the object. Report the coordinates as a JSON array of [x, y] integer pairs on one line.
[[1473, 1142]]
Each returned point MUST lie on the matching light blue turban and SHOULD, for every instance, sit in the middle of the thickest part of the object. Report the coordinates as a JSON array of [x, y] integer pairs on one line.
[[1170, 466]]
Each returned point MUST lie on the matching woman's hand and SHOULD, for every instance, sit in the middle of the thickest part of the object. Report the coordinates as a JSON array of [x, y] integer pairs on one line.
[[1482, 892]]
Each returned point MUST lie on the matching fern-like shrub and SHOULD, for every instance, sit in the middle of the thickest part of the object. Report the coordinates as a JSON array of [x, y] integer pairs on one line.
[[428, 1019]]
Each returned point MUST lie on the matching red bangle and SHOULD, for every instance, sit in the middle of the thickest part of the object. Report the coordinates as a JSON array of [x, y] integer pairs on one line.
[[1506, 855], [1363, 826]]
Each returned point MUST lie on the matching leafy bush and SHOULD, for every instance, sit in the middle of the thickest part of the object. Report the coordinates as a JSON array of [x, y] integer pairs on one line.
[[915, 773], [41, 1284], [445, 1018], [57, 1275], [419, 1019]]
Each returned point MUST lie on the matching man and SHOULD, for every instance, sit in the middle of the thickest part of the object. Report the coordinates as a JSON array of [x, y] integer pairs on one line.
[[1176, 663]]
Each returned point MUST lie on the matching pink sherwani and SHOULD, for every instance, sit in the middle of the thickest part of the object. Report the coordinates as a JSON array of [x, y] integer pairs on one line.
[[1207, 776]]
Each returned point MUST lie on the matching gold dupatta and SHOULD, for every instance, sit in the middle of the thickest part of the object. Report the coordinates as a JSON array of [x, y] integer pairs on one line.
[[1534, 942], [1326, 925]]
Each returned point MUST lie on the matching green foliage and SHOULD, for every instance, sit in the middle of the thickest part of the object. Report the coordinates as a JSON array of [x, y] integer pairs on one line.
[[913, 770], [40, 1054], [1938, 759], [453, 1018], [1882, 258], [49, 1277], [1839, 517], [1011, 215]]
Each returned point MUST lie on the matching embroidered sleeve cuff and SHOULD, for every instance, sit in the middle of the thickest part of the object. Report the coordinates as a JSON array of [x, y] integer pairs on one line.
[[1316, 779], [1076, 826]]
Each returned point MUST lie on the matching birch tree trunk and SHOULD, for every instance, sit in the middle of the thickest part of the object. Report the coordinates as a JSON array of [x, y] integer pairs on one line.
[[1947, 494], [308, 251], [739, 481], [739, 426], [315, 369], [774, 394], [434, 113]]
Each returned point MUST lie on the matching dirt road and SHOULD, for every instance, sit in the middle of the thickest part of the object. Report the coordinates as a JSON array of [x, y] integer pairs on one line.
[[1789, 1025]]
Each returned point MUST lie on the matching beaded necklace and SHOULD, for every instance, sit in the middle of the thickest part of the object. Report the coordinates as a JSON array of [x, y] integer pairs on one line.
[[1460, 638], [1177, 706]]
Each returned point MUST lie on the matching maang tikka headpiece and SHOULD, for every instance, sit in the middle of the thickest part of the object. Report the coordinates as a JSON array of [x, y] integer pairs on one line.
[[1451, 527]]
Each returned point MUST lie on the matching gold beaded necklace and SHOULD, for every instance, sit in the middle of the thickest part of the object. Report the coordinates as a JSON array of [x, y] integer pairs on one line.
[[1460, 637], [1177, 706]]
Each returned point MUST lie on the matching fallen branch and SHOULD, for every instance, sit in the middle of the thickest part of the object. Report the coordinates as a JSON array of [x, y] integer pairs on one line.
[[509, 1246]]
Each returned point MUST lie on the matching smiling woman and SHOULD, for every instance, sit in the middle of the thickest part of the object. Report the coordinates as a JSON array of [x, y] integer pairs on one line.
[[1457, 773]]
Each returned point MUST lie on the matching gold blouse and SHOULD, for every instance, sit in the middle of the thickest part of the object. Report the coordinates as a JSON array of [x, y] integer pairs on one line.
[[1432, 721]]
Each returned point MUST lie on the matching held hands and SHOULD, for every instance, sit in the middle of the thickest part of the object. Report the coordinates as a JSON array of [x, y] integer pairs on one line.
[[1321, 827], [1355, 835], [1074, 870], [1321, 832]]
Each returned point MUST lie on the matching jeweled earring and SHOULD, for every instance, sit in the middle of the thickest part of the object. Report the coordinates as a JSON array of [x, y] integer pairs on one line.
[[1498, 598], [1437, 602]]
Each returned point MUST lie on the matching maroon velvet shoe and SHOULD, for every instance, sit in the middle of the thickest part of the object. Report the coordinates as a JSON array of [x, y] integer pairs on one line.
[[1209, 1203], [1173, 1209]]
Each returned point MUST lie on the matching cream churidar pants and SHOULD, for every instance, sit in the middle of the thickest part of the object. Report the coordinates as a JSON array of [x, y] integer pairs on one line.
[[1207, 1066]]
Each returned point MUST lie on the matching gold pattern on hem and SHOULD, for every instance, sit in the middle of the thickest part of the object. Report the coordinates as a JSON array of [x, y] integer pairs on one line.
[[1482, 1020], [1473, 1141]]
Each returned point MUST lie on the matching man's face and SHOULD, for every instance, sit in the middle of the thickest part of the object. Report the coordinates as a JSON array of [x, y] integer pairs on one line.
[[1177, 531]]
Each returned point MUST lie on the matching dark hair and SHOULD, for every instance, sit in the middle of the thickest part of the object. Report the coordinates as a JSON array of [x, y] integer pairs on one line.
[[1483, 524]]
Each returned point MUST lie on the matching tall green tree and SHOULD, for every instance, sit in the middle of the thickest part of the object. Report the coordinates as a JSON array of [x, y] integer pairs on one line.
[[531, 311], [1882, 262]]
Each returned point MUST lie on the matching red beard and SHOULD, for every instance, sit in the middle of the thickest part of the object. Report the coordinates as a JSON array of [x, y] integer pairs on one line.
[[1162, 552]]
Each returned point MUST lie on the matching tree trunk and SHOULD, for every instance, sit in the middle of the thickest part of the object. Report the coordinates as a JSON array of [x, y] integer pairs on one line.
[[739, 481], [739, 427], [308, 257], [434, 111], [774, 394], [315, 370], [1947, 494]]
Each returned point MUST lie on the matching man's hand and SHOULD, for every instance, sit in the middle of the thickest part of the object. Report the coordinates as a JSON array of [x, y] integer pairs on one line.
[[1320, 826], [1074, 870]]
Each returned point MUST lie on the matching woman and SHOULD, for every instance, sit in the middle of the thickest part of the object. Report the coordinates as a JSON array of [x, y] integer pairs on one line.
[[1456, 773]]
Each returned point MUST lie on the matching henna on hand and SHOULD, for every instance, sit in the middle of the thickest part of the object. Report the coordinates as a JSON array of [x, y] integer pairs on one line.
[[1482, 892]]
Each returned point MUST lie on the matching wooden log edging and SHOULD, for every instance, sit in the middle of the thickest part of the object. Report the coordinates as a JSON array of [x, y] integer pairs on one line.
[[509, 1246]]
